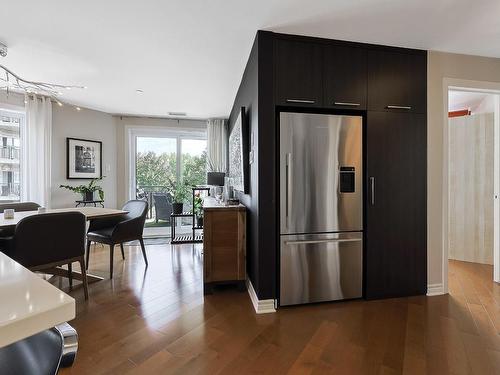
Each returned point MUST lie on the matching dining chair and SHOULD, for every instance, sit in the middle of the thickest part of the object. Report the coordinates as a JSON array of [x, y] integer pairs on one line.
[[7, 233], [45, 241], [114, 231]]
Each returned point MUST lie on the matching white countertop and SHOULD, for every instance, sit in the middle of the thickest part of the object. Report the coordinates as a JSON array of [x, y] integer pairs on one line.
[[28, 304]]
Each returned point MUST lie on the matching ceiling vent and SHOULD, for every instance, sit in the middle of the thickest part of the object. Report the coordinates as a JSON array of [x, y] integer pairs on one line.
[[177, 114]]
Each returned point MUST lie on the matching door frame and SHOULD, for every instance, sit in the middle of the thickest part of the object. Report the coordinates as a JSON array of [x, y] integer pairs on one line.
[[484, 87]]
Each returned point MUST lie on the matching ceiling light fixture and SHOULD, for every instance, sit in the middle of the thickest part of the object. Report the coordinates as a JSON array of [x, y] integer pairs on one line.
[[139, 91], [3, 50], [10, 81]]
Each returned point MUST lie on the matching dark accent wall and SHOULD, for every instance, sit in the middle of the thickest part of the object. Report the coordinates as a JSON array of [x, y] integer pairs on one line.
[[256, 95], [247, 96]]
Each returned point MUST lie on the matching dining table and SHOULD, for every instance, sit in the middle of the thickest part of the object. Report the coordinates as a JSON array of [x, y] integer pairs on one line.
[[90, 214]]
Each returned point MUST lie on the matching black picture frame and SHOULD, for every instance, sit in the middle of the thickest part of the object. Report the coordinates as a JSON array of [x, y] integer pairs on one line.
[[75, 167]]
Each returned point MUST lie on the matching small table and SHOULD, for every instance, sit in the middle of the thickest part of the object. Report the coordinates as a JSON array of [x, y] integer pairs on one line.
[[95, 203], [29, 303]]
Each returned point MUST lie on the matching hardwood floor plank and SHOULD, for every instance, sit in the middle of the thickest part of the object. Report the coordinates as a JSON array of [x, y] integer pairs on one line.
[[157, 321]]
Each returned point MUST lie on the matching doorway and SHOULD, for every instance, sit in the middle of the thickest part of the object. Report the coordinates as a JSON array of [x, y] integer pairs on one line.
[[472, 191], [161, 160]]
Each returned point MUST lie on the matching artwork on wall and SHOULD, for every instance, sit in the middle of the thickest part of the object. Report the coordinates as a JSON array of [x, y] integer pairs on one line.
[[84, 158], [236, 151]]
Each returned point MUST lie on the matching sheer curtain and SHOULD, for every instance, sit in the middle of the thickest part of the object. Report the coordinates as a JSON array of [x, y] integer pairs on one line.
[[217, 145], [36, 153]]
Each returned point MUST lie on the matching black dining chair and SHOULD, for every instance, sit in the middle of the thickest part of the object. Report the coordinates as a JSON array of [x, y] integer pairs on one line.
[[43, 242], [7, 233], [117, 230]]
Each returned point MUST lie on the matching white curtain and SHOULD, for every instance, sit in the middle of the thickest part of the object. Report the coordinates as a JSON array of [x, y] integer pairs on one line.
[[37, 147], [217, 145]]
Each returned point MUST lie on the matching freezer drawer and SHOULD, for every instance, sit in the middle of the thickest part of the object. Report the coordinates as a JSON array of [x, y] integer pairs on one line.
[[321, 267]]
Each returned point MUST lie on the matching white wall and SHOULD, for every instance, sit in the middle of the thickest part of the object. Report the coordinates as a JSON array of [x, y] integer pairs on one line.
[[86, 124], [441, 66], [124, 122]]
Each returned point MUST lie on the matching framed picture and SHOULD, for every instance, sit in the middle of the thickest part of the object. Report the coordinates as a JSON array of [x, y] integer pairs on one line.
[[84, 158], [237, 153]]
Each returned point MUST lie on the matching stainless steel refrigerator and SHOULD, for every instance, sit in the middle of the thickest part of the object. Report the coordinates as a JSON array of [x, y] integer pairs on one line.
[[321, 204]]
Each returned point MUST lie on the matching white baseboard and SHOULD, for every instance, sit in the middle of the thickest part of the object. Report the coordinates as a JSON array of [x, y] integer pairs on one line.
[[435, 290], [261, 306]]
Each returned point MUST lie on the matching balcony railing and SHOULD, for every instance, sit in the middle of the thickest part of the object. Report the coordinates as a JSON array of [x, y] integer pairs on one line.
[[9, 152], [12, 189]]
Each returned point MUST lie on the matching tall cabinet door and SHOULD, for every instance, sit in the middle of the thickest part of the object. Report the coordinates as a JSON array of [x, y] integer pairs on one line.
[[396, 228], [299, 73], [345, 77]]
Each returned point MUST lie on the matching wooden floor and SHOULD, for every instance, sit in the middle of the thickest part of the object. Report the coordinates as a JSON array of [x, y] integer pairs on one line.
[[156, 321]]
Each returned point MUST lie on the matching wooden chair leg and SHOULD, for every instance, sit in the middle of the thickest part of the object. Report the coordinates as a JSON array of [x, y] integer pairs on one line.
[[70, 276], [143, 251], [88, 254], [84, 276], [123, 253], [111, 250]]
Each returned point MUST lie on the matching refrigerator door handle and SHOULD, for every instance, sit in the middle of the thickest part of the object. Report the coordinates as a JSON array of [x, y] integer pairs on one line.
[[288, 188], [334, 240], [372, 191]]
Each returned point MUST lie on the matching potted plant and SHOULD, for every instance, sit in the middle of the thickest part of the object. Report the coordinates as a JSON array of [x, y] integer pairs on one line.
[[198, 209], [179, 192], [87, 191]]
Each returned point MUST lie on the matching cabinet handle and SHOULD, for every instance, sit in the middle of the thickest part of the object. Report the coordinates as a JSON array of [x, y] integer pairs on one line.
[[407, 107], [303, 101], [372, 191], [347, 104]]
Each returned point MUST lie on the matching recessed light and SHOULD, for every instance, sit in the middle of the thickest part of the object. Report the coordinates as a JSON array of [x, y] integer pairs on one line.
[[177, 113], [59, 104], [78, 109], [139, 91]]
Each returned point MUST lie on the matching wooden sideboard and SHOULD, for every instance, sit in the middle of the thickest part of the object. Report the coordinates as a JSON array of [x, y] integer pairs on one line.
[[224, 244]]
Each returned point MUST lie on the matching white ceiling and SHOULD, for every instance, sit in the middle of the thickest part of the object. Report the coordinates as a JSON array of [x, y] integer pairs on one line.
[[189, 55]]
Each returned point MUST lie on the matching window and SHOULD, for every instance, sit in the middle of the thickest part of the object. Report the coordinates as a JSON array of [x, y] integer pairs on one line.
[[11, 124]]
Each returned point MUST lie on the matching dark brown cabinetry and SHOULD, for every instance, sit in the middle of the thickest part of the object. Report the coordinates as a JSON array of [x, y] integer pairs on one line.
[[224, 244], [345, 77], [396, 234], [299, 75], [397, 81]]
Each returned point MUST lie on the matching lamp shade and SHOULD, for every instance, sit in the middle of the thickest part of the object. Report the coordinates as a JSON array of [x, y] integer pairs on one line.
[[215, 178]]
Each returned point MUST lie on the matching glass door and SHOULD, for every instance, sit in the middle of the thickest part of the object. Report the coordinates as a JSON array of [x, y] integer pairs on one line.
[[156, 168], [160, 163]]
